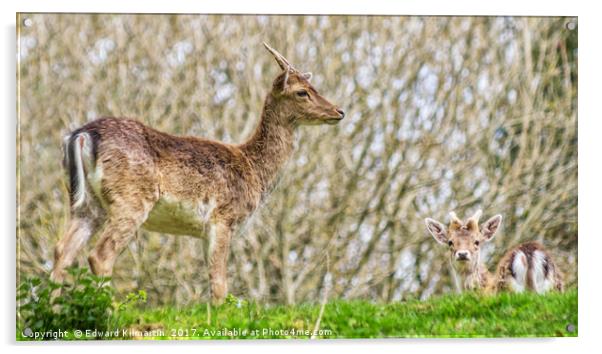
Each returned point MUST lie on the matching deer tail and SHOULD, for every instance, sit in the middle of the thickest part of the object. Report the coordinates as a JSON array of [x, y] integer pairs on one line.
[[77, 148]]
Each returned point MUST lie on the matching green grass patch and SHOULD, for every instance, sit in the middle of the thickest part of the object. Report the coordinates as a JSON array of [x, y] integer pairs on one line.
[[468, 315], [86, 309]]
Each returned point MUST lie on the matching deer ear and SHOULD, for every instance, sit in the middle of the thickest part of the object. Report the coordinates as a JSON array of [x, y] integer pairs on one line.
[[285, 80], [436, 229], [490, 227], [307, 76], [281, 83]]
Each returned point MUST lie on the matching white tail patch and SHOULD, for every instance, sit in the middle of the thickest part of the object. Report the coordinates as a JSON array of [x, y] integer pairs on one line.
[[541, 282], [519, 268], [81, 153]]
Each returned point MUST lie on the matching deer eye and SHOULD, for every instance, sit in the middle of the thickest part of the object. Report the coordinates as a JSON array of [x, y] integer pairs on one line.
[[451, 243], [476, 243], [302, 93]]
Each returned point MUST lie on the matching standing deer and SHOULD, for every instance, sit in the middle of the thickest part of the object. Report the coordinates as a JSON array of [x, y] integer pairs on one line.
[[527, 266], [125, 176]]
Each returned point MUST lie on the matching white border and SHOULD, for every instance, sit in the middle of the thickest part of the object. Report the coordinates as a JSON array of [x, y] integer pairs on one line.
[[589, 165], [459, 7]]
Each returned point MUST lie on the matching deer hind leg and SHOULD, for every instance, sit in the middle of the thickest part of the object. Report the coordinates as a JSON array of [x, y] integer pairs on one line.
[[86, 212], [219, 249], [118, 230], [124, 218], [69, 246], [129, 190]]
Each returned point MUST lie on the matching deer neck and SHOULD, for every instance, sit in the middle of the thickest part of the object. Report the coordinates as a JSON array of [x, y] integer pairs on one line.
[[472, 276], [271, 145]]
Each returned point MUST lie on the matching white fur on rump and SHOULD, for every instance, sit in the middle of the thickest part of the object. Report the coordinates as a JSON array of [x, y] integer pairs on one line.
[[519, 268], [541, 283]]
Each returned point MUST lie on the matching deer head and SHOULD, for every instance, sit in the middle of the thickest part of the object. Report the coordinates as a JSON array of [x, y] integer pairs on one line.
[[464, 238], [292, 91]]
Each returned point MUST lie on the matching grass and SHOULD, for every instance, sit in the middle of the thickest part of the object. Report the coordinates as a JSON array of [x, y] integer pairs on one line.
[[468, 315]]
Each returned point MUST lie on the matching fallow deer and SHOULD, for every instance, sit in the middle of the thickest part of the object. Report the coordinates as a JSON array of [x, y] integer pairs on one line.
[[125, 176], [527, 266]]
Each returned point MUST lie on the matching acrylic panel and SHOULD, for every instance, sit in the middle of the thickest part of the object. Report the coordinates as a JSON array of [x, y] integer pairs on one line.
[[188, 176]]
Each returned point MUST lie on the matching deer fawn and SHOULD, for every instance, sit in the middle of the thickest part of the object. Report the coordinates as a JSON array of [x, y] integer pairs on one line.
[[125, 175], [527, 266]]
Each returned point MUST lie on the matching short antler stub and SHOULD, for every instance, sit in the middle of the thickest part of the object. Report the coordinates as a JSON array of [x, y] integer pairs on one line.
[[477, 216], [454, 218]]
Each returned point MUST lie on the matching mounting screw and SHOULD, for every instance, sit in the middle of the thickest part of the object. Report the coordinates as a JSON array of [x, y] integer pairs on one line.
[[27, 22], [571, 25]]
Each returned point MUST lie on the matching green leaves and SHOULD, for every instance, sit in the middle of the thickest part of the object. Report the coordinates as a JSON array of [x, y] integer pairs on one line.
[[232, 300], [85, 301]]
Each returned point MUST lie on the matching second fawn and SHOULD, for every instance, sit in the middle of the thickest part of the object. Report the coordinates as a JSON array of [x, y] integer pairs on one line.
[[527, 266]]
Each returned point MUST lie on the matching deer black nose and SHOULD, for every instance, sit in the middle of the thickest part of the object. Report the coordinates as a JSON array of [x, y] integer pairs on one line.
[[341, 112], [462, 255]]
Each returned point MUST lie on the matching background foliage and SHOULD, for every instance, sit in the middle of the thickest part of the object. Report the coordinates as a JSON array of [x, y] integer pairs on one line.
[[443, 113], [85, 302]]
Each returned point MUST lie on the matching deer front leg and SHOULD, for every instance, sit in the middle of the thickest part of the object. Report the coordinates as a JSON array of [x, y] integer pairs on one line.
[[219, 249]]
